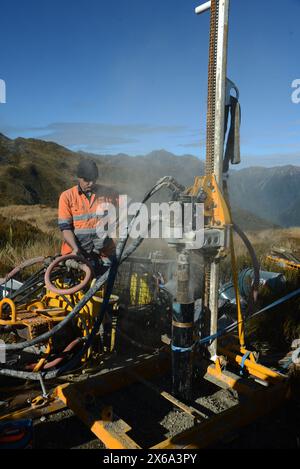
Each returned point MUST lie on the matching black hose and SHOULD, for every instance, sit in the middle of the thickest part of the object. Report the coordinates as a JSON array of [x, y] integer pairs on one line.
[[255, 263], [27, 288], [256, 267], [32, 281], [110, 274]]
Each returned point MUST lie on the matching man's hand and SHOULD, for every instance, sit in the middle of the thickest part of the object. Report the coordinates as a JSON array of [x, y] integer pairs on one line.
[[78, 252], [70, 239]]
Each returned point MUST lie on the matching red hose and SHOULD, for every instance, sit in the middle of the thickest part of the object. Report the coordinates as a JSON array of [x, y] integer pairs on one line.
[[14, 438], [84, 265], [58, 360], [28, 263]]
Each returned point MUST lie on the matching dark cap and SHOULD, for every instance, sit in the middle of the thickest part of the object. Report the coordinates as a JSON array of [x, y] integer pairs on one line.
[[87, 169]]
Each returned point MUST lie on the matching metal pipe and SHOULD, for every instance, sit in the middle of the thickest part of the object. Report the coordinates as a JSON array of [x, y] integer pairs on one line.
[[183, 331], [214, 305], [182, 350], [221, 71], [202, 8]]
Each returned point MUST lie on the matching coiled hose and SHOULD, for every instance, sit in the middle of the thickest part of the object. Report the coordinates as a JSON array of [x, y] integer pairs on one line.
[[109, 276]]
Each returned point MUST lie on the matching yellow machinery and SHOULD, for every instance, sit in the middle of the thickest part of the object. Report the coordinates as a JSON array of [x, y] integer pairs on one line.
[[140, 293], [40, 316], [284, 258]]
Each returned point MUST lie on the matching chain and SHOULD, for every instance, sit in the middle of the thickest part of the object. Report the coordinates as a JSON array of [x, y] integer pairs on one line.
[[211, 101], [210, 135]]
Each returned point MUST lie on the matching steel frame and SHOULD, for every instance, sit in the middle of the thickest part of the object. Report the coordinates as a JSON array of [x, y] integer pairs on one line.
[[113, 431]]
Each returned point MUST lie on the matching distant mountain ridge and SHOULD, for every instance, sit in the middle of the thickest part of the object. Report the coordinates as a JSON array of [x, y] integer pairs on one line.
[[33, 171], [271, 193]]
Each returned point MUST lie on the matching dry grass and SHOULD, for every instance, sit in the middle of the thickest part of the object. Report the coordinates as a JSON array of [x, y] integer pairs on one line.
[[27, 232], [40, 216], [263, 242], [266, 239]]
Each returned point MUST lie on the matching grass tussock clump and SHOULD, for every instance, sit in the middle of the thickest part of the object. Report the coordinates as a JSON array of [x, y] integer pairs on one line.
[[42, 217], [16, 232], [20, 240]]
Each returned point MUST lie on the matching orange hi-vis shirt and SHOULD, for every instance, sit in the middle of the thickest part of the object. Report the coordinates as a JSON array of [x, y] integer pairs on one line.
[[82, 215]]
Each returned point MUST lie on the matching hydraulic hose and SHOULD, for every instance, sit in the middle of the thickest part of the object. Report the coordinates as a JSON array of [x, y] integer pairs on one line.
[[246, 241], [111, 274], [82, 264], [28, 263], [59, 359], [229, 329], [121, 255], [255, 262], [58, 327]]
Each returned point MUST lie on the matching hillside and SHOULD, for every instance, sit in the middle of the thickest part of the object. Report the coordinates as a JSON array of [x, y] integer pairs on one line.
[[271, 193], [250, 222], [35, 172]]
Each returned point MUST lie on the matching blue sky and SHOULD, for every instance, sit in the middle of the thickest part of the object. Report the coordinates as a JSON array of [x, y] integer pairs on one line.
[[131, 75]]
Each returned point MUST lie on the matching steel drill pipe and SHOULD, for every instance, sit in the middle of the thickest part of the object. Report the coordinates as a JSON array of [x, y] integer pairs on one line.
[[183, 331]]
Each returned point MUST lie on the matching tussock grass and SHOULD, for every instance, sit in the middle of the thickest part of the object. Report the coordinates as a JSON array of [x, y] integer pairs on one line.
[[26, 232], [42, 217]]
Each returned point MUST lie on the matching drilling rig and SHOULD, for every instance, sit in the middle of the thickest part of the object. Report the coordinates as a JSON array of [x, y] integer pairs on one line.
[[211, 190]]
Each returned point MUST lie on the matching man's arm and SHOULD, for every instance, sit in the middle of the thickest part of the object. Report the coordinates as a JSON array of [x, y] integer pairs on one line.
[[65, 223], [69, 237]]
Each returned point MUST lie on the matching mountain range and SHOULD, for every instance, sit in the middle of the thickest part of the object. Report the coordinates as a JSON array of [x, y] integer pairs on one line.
[[33, 171]]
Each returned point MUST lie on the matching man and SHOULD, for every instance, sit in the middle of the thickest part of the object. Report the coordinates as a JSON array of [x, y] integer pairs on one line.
[[80, 212]]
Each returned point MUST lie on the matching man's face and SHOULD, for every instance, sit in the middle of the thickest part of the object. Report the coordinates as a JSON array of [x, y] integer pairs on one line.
[[85, 185]]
